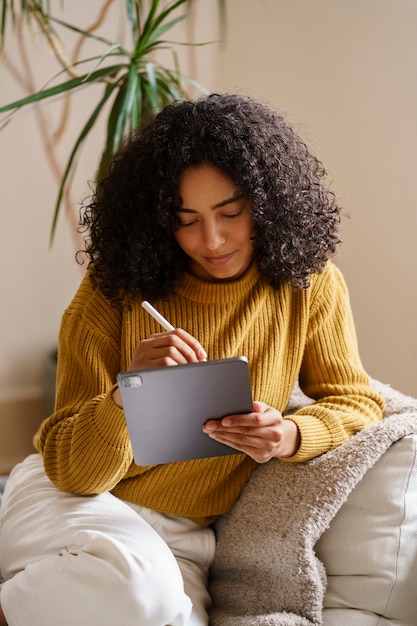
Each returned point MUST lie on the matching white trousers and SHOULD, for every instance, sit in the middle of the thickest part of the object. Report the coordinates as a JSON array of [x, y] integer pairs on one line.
[[97, 561]]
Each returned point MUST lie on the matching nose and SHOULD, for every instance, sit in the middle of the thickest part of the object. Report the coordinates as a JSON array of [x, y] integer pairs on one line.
[[213, 236]]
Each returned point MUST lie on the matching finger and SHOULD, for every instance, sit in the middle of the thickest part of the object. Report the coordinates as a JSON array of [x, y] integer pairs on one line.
[[231, 423], [162, 358], [268, 417], [159, 357], [260, 450], [260, 407], [162, 349], [192, 342], [255, 437], [183, 342], [267, 439]]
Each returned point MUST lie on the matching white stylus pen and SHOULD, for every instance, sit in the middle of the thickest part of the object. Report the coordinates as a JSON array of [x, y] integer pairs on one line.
[[157, 316]]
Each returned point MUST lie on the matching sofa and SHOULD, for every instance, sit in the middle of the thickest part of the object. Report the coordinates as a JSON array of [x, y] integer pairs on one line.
[[329, 542]]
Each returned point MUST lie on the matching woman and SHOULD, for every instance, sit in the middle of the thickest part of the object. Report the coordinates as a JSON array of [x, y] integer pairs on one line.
[[218, 214]]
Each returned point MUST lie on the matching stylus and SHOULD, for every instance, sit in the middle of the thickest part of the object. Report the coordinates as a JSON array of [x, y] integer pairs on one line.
[[157, 316]]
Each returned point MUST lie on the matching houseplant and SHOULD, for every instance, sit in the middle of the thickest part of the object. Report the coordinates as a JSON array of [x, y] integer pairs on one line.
[[133, 82], [125, 75]]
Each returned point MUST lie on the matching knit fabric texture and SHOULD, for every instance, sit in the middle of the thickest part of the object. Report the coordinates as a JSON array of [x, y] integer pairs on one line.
[[287, 335]]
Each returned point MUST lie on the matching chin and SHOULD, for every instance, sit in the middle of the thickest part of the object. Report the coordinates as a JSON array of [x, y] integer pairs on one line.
[[226, 276]]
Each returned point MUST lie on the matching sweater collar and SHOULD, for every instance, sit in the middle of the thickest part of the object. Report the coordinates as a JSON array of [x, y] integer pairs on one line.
[[198, 290]]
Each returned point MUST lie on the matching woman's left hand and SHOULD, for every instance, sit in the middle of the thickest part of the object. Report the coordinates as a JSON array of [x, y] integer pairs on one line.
[[262, 435]]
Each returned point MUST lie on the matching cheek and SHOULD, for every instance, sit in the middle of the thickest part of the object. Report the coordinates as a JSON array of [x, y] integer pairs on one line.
[[183, 240], [177, 238], [249, 228]]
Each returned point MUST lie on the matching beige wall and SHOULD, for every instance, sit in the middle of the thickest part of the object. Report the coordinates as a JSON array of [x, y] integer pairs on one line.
[[346, 72], [36, 282]]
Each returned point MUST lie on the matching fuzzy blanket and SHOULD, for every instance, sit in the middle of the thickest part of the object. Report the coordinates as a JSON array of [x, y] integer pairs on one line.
[[265, 572]]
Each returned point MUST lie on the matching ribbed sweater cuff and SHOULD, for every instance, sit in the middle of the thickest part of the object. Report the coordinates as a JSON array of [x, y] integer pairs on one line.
[[314, 436], [110, 421]]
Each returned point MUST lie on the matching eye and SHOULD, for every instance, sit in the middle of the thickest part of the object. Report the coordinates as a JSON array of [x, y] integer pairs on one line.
[[232, 216], [187, 224]]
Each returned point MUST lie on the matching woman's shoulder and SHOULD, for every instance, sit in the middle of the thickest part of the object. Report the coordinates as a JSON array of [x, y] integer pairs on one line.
[[89, 302], [328, 289], [329, 280], [87, 290], [330, 277]]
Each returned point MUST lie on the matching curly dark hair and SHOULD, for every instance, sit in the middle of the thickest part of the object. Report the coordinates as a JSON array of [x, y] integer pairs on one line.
[[130, 219]]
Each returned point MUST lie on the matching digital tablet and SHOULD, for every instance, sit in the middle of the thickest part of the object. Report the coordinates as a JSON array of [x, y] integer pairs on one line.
[[165, 408]]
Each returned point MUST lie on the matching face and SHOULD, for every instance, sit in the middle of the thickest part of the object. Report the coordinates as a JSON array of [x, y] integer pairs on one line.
[[216, 224]]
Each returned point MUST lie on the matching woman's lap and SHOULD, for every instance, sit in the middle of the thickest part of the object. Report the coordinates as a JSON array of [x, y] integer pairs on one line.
[[56, 547]]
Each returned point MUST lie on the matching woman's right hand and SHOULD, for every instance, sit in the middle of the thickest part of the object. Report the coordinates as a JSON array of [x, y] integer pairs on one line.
[[174, 347]]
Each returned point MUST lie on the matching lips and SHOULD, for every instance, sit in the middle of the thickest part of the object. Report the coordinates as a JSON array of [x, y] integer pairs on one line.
[[219, 260]]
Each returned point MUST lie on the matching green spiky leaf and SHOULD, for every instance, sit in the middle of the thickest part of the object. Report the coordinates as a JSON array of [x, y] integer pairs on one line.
[[132, 78]]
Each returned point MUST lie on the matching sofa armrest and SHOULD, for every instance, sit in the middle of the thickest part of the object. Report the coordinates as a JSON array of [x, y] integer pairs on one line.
[[284, 554], [370, 549]]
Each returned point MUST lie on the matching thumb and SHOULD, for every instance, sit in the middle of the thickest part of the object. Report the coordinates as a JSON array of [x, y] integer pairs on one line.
[[259, 407]]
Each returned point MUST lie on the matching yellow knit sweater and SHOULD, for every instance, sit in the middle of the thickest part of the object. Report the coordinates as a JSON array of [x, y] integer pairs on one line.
[[286, 334]]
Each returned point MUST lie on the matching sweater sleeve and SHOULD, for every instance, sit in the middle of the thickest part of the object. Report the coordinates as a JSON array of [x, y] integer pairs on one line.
[[332, 373], [85, 443]]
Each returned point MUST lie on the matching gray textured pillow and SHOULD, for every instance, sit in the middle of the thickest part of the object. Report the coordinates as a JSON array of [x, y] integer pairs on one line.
[[370, 548], [266, 570]]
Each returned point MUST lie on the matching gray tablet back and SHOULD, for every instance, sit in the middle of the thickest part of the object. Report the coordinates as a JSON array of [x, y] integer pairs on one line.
[[166, 407]]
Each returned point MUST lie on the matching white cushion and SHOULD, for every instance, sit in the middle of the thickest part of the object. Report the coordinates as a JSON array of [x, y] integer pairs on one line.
[[370, 548]]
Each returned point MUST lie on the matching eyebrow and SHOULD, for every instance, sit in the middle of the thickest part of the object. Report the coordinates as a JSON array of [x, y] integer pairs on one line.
[[238, 195]]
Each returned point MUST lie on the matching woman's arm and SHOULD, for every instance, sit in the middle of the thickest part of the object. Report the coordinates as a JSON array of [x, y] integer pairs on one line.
[[85, 443], [332, 372]]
